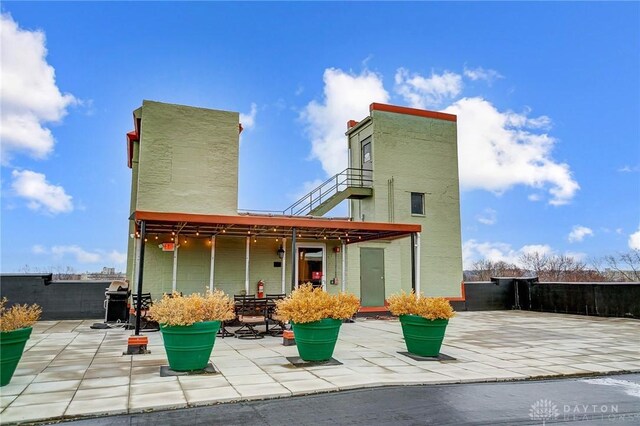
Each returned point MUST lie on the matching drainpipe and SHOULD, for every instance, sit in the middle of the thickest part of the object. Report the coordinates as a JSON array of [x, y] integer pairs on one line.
[[344, 269], [413, 262], [143, 235], [418, 263]]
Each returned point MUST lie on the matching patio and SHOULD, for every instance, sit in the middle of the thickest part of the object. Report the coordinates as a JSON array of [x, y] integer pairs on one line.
[[69, 370]]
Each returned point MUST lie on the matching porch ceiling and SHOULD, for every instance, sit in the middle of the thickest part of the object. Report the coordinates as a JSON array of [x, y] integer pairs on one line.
[[263, 226]]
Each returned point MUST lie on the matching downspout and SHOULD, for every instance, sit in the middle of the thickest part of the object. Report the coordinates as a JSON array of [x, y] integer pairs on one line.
[[246, 266], [284, 266], [213, 262], [293, 258]]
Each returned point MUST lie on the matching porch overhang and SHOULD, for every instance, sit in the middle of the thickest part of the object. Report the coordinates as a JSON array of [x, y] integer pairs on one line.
[[271, 226]]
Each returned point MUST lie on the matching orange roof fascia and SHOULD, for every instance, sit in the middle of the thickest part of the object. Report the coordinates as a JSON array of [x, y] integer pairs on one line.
[[413, 111], [297, 222], [131, 137]]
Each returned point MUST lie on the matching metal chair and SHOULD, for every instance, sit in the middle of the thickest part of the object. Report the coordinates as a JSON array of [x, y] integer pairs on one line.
[[250, 315], [271, 317], [145, 304]]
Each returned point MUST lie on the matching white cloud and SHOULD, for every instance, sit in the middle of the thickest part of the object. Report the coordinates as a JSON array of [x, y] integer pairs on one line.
[[498, 150], [480, 73], [40, 194], [423, 92], [347, 96], [473, 250], [488, 217], [248, 121], [578, 233], [634, 240], [29, 96], [83, 256], [629, 169]]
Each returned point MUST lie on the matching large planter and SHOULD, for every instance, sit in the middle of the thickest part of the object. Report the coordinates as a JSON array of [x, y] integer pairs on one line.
[[423, 336], [316, 340], [189, 347], [11, 346]]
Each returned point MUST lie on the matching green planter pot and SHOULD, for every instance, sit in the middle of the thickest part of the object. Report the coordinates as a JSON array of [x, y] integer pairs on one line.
[[316, 340], [423, 336], [11, 346], [189, 347]]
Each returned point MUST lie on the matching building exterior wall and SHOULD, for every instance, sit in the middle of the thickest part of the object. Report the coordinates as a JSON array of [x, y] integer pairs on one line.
[[188, 160], [414, 154]]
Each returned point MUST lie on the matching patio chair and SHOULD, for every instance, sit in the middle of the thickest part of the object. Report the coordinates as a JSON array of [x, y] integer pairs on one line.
[[250, 315], [145, 304], [271, 317]]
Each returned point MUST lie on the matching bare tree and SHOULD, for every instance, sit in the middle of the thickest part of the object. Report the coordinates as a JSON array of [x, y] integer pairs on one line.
[[484, 269], [621, 267]]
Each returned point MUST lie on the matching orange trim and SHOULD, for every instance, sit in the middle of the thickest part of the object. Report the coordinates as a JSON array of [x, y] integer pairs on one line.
[[240, 128], [463, 295], [132, 136], [287, 334], [298, 222], [351, 123], [413, 111], [138, 340]]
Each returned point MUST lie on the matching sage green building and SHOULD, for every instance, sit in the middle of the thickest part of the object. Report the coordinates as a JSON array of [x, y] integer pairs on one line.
[[187, 235]]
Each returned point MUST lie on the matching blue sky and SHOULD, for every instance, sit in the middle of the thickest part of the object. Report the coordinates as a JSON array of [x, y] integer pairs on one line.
[[547, 95]]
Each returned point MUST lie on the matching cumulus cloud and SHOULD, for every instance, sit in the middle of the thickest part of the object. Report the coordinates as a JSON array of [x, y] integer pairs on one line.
[[81, 255], [488, 217], [578, 233], [40, 194], [248, 121], [473, 250], [346, 96], [498, 150], [634, 240], [30, 97], [423, 92], [480, 73]]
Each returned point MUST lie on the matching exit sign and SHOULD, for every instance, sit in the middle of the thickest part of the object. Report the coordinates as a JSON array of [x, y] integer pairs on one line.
[[168, 246]]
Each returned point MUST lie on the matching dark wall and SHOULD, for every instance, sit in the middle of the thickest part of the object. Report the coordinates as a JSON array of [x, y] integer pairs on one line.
[[601, 299], [58, 299]]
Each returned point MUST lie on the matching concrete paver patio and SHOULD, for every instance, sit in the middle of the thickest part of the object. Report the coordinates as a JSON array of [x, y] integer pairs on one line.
[[69, 370]]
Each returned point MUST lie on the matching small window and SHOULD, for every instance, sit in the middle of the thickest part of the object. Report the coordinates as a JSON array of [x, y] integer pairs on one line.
[[366, 153], [417, 203]]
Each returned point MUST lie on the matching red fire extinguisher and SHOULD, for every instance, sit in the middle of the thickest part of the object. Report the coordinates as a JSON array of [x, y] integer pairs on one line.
[[260, 289]]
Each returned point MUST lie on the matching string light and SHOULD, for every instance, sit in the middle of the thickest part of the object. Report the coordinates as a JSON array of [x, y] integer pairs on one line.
[[185, 241], [197, 232], [224, 231], [173, 232], [156, 236]]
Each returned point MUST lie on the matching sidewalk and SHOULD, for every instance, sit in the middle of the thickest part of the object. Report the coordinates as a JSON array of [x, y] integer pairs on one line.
[[69, 370]]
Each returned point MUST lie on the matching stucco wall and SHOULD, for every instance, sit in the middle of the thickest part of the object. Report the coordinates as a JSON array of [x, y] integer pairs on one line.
[[188, 160], [415, 154]]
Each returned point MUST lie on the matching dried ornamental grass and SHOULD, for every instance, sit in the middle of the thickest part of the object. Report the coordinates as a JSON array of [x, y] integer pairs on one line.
[[308, 304], [175, 309], [18, 316], [427, 307]]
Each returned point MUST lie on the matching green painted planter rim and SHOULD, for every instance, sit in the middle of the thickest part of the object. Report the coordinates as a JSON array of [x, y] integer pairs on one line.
[[18, 330], [199, 324], [414, 317], [323, 320]]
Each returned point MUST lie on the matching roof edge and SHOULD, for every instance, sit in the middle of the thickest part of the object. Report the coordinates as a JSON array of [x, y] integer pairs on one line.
[[413, 111]]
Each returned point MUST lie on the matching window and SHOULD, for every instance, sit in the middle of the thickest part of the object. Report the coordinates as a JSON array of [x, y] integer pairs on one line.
[[366, 153], [417, 203]]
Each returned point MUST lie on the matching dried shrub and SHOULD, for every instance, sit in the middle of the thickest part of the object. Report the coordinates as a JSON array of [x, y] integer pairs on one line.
[[426, 307], [308, 304], [175, 309], [18, 316]]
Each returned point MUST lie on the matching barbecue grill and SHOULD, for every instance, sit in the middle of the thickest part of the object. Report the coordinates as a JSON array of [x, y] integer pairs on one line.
[[116, 302]]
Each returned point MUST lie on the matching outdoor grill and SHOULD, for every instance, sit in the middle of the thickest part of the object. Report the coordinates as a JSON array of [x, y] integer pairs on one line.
[[116, 302]]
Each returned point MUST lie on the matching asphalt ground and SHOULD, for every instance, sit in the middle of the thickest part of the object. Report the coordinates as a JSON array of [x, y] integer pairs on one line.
[[598, 400]]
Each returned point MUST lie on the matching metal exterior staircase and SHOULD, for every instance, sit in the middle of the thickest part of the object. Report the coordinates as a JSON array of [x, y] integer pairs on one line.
[[349, 184]]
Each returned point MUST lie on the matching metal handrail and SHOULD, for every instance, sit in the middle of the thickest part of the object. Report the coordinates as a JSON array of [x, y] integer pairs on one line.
[[349, 177]]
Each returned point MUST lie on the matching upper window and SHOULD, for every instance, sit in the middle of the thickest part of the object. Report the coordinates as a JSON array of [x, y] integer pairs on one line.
[[366, 153], [417, 203]]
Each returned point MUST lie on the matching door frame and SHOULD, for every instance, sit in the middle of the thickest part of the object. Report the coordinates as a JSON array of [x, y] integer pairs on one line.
[[323, 246], [384, 274]]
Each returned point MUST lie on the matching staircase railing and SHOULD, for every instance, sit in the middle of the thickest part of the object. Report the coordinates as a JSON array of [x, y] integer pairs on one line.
[[350, 177]]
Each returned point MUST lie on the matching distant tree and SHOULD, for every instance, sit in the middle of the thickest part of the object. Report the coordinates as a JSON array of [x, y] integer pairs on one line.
[[620, 267], [484, 269]]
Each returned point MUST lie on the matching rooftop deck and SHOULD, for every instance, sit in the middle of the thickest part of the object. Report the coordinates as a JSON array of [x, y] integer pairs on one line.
[[69, 370]]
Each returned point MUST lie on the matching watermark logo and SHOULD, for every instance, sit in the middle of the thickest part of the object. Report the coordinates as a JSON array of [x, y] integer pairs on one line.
[[544, 410]]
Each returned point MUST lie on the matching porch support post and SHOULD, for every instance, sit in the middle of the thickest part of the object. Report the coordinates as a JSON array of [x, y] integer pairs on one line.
[[418, 263], [213, 262], [284, 265], [246, 266], [413, 261], [344, 266], [143, 235], [136, 260], [293, 258], [174, 281]]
